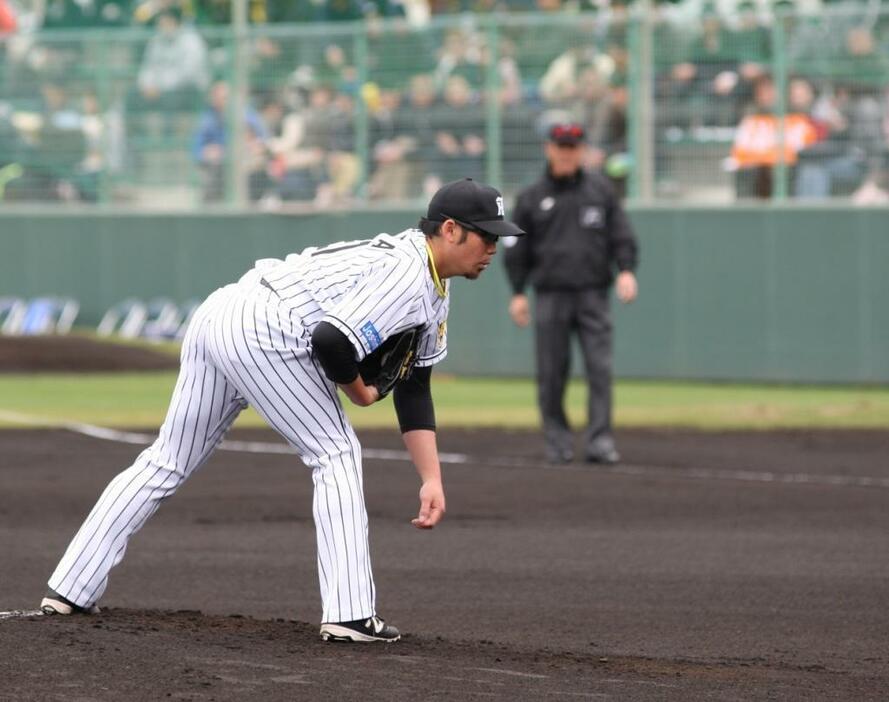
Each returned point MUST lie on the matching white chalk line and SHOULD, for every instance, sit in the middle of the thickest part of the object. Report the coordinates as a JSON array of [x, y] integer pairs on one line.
[[264, 447], [20, 614], [516, 673], [139, 439]]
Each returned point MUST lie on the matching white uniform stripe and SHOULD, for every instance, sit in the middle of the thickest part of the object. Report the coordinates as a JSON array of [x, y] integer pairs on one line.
[[218, 432], [322, 409], [157, 494], [320, 427], [93, 538], [398, 303], [356, 449], [346, 570], [102, 529], [92, 580], [252, 389], [345, 546]]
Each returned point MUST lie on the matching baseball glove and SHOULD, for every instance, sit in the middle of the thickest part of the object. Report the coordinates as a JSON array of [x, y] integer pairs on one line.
[[391, 362]]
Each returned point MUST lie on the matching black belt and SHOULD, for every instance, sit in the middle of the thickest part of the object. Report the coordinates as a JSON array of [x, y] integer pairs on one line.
[[266, 284]]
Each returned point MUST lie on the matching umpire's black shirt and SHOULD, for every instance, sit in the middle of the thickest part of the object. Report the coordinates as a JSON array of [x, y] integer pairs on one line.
[[577, 234]]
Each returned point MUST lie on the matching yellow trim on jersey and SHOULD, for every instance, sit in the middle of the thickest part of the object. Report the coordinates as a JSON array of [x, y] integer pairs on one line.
[[439, 286]]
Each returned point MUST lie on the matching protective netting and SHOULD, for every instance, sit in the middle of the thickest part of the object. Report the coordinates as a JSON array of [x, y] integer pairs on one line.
[[677, 107]]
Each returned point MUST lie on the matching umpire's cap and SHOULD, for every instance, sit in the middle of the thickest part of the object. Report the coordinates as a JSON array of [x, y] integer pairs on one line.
[[566, 134], [473, 205]]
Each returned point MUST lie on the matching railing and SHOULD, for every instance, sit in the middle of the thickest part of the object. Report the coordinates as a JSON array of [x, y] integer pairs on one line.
[[695, 110]]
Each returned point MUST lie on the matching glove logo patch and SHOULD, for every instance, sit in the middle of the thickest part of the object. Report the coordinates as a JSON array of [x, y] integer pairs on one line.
[[371, 335]]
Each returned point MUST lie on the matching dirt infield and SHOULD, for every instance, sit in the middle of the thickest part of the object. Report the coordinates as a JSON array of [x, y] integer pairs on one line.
[[77, 354], [706, 567]]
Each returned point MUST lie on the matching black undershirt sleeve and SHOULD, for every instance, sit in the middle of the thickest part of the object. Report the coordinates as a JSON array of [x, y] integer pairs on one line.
[[413, 401], [335, 353]]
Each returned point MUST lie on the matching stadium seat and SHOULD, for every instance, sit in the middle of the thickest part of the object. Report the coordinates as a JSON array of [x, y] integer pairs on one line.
[[12, 311], [162, 320], [48, 315], [125, 319], [186, 312]]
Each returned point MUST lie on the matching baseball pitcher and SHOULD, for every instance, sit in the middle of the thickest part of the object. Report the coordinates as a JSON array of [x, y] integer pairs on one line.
[[367, 317]]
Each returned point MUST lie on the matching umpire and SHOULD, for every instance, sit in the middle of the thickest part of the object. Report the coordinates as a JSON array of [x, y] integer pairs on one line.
[[579, 241]]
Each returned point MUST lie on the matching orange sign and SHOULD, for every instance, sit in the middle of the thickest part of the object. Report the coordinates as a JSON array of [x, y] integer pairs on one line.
[[756, 140]]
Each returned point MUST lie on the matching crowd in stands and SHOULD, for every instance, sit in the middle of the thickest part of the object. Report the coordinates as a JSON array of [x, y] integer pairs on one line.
[[323, 127], [71, 14]]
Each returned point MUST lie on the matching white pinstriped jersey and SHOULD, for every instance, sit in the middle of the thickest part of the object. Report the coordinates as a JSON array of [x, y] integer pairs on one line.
[[242, 347], [368, 289]]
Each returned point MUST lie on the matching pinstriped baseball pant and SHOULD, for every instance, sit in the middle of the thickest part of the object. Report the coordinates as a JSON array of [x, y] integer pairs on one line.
[[241, 347]]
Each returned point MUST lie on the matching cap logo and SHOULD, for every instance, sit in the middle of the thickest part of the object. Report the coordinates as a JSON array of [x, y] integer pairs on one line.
[[500, 211]]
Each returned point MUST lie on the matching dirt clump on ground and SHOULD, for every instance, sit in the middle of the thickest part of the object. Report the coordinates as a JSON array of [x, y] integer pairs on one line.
[[77, 354]]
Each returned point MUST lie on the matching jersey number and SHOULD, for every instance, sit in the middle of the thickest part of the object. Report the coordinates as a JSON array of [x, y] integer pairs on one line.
[[373, 243]]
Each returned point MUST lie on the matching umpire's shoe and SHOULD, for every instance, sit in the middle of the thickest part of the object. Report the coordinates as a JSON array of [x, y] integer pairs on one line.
[[608, 457], [558, 456], [54, 603], [360, 630]]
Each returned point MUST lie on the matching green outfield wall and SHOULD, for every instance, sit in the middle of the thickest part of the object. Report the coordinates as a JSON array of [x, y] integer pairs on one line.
[[778, 293]]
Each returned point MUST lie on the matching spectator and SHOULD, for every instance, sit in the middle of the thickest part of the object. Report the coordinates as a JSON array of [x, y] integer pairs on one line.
[[55, 148], [336, 70], [720, 68], [210, 152], [466, 53], [875, 188], [395, 46], [758, 146], [834, 159], [174, 73], [8, 21], [416, 123], [459, 134], [383, 9], [97, 129], [462, 54], [8, 26], [342, 10], [559, 85], [295, 12], [863, 59], [343, 165], [392, 174], [301, 144], [608, 150], [312, 145], [72, 14], [509, 77], [219, 12]]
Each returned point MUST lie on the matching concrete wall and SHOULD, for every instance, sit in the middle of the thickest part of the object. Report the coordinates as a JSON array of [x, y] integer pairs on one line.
[[790, 294]]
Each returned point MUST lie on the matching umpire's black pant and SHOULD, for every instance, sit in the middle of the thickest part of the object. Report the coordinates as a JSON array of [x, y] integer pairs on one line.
[[558, 314]]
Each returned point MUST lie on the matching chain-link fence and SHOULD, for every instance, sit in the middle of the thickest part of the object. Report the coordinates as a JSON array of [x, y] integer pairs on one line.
[[710, 108]]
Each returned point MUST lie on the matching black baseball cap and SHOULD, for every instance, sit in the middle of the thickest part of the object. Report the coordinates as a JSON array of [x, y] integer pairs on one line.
[[566, 134], [473, 205]]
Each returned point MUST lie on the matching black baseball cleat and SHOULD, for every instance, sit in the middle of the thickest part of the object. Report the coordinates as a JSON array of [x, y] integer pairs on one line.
[[608, 458], [557, 455], [54, 603], [360, 630]]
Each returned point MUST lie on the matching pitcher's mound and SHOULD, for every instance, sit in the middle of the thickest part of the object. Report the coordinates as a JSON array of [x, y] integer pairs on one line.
[[77, 354]]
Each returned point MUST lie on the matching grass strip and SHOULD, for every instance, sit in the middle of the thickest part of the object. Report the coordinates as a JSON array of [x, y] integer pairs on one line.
[[140, 400]]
